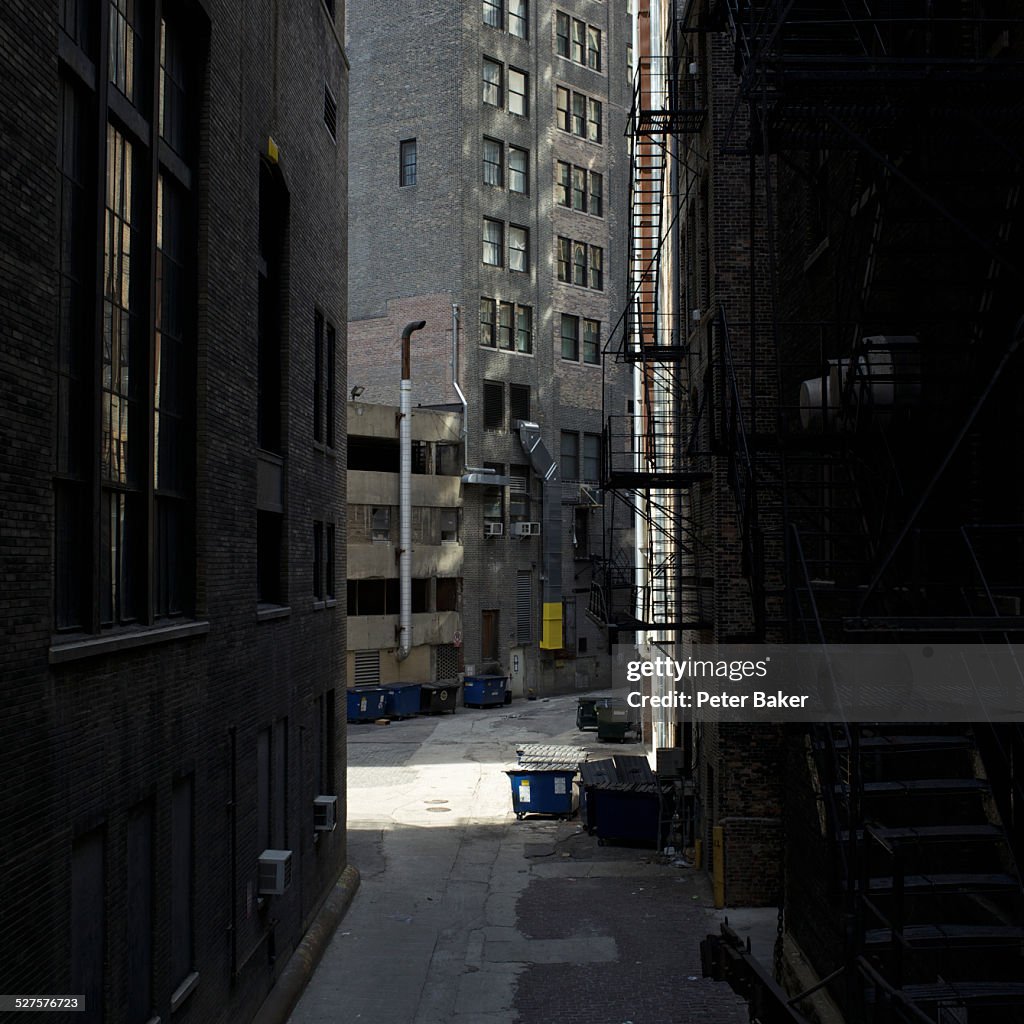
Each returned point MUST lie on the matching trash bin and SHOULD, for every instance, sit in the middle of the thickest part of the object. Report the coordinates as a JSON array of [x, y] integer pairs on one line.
[[543, 789], [366, 704], [614, 719], [586, 713], [402, 700], [436, 698], [632, 813], [484, 691]]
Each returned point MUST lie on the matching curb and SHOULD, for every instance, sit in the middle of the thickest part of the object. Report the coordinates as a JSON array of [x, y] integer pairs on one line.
[[293, 979]]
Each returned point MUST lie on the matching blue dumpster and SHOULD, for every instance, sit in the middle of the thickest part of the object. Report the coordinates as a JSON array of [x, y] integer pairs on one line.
[[402, 700], [366, 704], [484, 691], [543, 789]]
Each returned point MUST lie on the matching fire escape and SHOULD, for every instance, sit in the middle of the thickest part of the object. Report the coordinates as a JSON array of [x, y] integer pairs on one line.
[[652, 453], [895, 459]]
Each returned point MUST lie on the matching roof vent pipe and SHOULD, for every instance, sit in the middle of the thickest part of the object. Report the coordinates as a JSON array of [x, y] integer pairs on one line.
[[405, 495]]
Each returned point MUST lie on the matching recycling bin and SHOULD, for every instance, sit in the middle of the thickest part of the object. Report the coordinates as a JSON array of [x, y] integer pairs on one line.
[[586, 713], [543, 789], [436, 698], [629, 813], [614, 719], [402, 700], [484, 691], [366, 704]]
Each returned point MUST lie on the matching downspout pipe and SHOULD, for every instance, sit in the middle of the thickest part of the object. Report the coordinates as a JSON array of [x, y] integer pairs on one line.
[[405, 495]]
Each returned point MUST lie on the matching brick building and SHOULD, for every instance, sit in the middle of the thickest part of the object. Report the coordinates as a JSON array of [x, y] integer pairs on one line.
[[488, 198], [174, 305], [829, 313]]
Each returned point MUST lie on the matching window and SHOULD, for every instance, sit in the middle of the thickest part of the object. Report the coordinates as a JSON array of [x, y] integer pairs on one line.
[[579, 263], [564, 259], [597, 267], [494, 405], [581, 531], [562, 21], [570, 337], [591, 341], [518, 248], [596, 194], [449, 523], [330, 112], [577, 113], [494, 496], [592, 457], [330, 581], [570, 455], [407, 162], [446, 594], [380, 524], [489, 634], [594, 120], [579, 31], [329, 394], [593, 48], [492, 162], [579, 189], [517, 18], [518, 170], [492, 13], [487, 322], [492, 83], [524, 329], [562, 106], [517, 98], [494, 242], [318, 560], [518, 404], [269, 570], [506, 318], [519, 493], [563, 184]]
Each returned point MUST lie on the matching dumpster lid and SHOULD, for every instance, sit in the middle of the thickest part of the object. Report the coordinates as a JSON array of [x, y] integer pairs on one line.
[[542, 766], [549, 753]]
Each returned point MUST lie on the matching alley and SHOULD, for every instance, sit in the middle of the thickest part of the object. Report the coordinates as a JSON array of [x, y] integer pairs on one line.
[[467, 916]]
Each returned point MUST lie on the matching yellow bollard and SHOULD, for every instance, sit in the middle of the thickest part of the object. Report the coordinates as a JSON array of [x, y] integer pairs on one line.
[[698, 854], [718, 866]]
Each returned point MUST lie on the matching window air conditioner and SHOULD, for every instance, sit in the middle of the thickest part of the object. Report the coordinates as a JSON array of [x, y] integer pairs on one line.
[[494, 529], [526, 529], [275, 872], [325, 813]]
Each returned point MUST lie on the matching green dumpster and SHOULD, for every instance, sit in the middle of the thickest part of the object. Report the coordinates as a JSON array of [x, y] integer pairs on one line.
[[586, 715], [615, 719]]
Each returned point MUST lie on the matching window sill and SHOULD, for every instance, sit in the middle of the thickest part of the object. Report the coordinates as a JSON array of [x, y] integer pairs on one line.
[[331, 602], [184, 990], [267, 612], [130, 638]]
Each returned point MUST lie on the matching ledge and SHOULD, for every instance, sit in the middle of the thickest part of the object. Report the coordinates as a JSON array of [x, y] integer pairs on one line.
[[184, 990], [266, 612], [124, 640]]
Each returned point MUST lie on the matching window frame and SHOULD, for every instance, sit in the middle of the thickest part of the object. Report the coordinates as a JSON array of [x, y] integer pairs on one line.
[[516, 172], [524, 330], [570, 339], [519, 17], [518, 249], [506, 321], [407, 168], [520, 106], [496, 246], [590, 341], [489, 306], [563, 29], [498, 166], [498, 18], [496, 88]]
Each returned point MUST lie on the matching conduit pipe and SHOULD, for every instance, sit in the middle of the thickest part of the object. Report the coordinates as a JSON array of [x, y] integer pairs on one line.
[[405, 495]]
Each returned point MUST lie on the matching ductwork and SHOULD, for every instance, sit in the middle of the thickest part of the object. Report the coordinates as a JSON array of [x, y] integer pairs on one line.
[[470, 474], [405, 495]]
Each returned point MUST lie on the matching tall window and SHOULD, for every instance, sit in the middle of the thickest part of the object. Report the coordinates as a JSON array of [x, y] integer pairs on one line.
[[318, 560], [493, 162], [579, 263], [487, 322], [518, 102], [597, 267], [492, 13], [579, 31], [518, 170], [563, 184], [407, 162], [494, 405], [494, 241], [518, 248], [596, 194], [563, 102], [330, 571], [594, 120], [591, 457], [562, 28], [318, 375], [518, 24], [591, 341], [570, 455], [524, 329], [506, 319], [570, 337], [579, 189], [329, 393], [593, 48], [492, 83], [518, 404], [137, 379], [564, 259]]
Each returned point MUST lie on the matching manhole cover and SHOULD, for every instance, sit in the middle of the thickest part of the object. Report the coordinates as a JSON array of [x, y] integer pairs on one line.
[[435, 801], [439, 810]]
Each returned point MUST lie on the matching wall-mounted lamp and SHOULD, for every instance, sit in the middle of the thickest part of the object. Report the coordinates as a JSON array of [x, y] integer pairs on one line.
[[357, 390]]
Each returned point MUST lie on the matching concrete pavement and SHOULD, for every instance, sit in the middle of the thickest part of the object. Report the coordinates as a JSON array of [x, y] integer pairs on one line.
[[467, 916]]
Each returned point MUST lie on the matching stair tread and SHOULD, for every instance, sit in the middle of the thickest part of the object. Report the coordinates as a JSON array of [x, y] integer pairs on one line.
[[922, 786], [888, 742], [951, 832], [964, 990], [953, 882]]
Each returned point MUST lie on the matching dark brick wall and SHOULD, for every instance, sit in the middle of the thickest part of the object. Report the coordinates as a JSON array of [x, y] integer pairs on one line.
[[86, 741]]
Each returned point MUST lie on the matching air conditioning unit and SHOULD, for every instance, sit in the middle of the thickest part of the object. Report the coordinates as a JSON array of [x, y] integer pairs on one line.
[[275, 872], [325, 813], [494, 529], [526, 529]]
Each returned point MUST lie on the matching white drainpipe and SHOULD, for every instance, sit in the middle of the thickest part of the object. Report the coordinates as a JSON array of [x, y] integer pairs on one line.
[[405, 496]]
